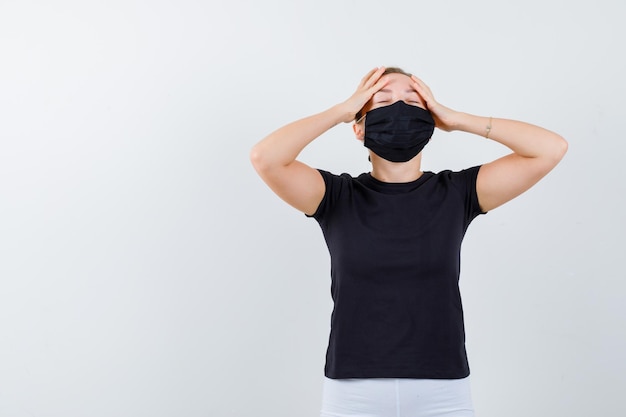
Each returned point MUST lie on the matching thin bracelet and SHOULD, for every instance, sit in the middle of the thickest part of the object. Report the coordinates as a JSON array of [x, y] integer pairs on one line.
[[488, 128]]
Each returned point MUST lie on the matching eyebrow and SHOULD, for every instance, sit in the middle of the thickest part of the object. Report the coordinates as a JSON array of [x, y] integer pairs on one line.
[[386, 90]]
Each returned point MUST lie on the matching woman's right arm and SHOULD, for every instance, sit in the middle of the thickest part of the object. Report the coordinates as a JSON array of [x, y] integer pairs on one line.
[[274, 157]]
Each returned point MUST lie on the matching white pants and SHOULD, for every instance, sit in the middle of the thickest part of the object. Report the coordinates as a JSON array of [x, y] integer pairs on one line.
[[403, 397]]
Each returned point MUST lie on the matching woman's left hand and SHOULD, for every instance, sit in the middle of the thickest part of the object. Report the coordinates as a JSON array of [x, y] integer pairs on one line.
[[445, 118]]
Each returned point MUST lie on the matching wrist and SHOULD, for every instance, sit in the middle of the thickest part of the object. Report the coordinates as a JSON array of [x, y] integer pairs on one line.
[[456, 120], [477, 125], [341, 113]]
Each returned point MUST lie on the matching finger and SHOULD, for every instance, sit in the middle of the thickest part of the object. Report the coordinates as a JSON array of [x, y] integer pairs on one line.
[[368, 76], [379, 85], [426, 97], [421, 83], [417, 79], [374, 77], [418, 82], [422, 89]]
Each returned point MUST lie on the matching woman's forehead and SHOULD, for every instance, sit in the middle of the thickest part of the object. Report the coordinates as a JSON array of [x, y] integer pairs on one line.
[[398, 81]]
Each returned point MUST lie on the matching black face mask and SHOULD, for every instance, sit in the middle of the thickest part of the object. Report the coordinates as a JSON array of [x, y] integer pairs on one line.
[[398, 132]]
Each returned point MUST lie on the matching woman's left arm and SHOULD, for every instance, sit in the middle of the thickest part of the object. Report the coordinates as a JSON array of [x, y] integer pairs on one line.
[[535, 150]]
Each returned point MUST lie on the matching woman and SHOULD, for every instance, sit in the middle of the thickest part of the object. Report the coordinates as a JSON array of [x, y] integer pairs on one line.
[[397, 341]]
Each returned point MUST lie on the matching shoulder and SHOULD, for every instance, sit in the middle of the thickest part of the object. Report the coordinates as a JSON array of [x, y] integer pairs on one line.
[[329, 176], [337, 188], [460, 174], [462, 179], [462, 184], [336, 182]]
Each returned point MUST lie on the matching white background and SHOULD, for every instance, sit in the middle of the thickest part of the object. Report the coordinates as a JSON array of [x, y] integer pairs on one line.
[[145, 270]]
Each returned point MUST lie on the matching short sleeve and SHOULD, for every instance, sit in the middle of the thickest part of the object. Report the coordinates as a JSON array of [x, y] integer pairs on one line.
[[336, 185], [465, 182]]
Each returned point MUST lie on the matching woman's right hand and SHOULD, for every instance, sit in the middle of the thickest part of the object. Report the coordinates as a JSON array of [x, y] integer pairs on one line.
[[274, 157], [369, 85]]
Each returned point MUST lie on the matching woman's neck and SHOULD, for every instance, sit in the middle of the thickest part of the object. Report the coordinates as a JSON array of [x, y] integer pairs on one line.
[[387, 171]]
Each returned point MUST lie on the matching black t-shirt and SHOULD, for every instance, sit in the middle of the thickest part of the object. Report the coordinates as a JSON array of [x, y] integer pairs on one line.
[[395, 261]]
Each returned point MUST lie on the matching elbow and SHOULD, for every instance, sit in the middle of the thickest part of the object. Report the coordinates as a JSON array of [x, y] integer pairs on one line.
[[553, 153], [256, 157], [560, 148], [260, 158]]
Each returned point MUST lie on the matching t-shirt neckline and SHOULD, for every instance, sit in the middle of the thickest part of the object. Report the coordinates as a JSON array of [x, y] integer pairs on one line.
[[393, 187]]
